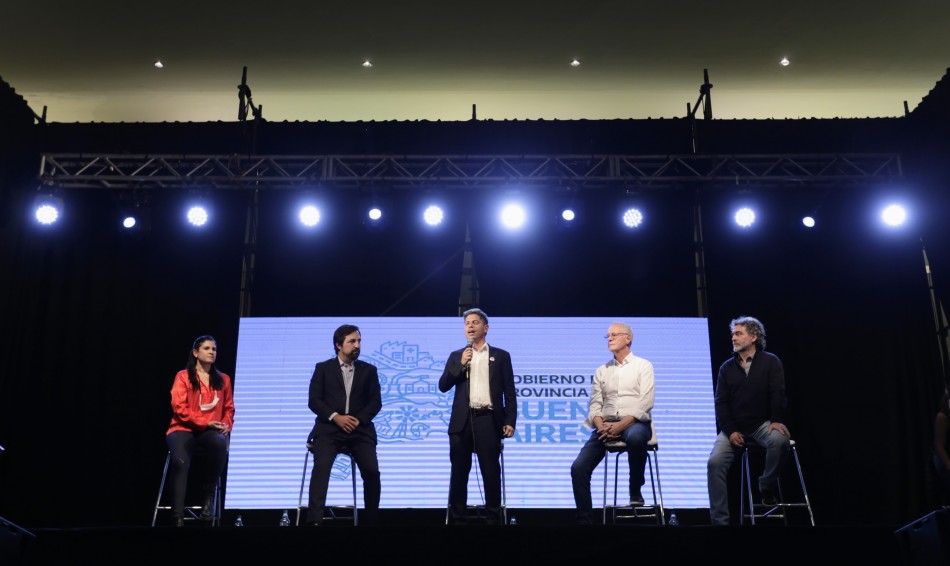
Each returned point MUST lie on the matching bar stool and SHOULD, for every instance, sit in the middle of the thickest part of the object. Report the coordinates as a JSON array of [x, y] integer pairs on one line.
[[752, 511], [331, 512], [625, 512], [480, 510], [192, 512]]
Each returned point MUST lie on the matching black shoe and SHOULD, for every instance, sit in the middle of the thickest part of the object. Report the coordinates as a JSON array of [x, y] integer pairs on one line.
[[636, 500], [207, 509], [769, 498]]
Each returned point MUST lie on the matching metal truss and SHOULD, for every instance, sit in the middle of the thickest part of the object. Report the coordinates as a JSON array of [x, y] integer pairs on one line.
[[118, 171]]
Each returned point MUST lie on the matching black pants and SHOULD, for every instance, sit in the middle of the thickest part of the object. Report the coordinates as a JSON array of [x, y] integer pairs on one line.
[[482, 437], [182, 445], [363, 450]]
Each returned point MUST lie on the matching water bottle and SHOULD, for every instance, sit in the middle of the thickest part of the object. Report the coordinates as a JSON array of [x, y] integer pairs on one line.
[[674, 522], [239, 522], [285, 520], [513, 521]]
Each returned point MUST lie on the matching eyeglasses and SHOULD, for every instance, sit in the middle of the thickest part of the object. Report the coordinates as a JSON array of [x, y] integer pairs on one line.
[[615, 334]]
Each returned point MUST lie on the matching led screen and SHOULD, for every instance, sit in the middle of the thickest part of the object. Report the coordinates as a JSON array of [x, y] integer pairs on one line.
[[554, 360]]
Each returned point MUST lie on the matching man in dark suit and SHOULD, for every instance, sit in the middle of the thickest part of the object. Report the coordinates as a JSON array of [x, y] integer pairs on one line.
[[345, 396], [484, 412]]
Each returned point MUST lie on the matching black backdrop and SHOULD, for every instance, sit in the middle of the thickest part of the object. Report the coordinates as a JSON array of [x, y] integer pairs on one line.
[[96, 323]]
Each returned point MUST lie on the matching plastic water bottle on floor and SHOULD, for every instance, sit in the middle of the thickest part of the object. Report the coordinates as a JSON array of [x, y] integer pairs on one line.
[[239, 522], [674, 521], [285, 520]]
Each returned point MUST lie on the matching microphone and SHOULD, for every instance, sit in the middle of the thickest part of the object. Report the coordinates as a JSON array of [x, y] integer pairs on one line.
[[468, 366]]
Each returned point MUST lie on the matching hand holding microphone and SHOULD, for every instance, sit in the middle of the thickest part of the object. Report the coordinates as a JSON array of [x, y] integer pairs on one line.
[[467, 354]]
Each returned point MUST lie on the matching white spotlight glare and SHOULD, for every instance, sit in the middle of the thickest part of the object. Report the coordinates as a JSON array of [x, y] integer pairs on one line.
[[784, 62], [433, 215], [745, 217], [632, 218], [159, 65], [47, 214], [575, 63], [197, 216], [375, 213], [568, 215], [128, 222], [894, 215], [309, 215], [808, 221], [47, 208], [513, 216]]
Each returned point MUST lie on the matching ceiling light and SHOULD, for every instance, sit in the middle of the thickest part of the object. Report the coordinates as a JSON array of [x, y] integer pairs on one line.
[[632, 217], [745, 217], [47, 207], [784, 62], [309, 215], [367, 63], [433, 215], [894, 215], [575, 63], [197, 215], [159, 64]]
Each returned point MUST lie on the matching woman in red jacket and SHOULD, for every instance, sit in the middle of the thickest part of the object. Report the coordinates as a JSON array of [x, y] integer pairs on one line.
[[202, 415]]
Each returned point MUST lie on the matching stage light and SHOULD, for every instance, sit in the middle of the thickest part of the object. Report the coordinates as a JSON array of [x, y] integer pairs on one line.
[[375, 214], [433, 215], [133, 211], [309, 215], [745, 217], [47, 208], [784, 62], [513, 216], [568, 215], [632, 218], [197, 215], [894, 215], [808, 221], [575, 63]]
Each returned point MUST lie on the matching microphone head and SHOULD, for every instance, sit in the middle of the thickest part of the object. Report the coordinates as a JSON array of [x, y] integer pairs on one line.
[[471, 341]]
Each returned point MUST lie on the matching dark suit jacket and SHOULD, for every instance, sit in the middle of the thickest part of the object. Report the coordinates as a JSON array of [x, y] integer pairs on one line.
[[501, 383], [328, 396]]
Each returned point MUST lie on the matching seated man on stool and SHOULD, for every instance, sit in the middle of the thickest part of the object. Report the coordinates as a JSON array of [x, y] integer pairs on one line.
[[750, 405], [345, 396], [621, 400]]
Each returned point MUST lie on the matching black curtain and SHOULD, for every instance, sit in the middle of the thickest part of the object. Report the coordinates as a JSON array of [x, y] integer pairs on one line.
[[97, 323]]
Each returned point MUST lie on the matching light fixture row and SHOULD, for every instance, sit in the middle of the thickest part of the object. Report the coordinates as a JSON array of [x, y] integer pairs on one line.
[[48, 209]]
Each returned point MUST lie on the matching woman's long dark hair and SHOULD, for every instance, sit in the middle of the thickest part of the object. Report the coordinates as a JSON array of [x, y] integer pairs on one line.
[[217, 382]]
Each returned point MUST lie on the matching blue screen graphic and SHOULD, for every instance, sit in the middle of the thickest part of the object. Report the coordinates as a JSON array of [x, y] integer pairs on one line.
[[554, 360]]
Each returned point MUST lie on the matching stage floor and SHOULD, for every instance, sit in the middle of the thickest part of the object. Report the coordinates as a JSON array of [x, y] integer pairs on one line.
[[423, 539]]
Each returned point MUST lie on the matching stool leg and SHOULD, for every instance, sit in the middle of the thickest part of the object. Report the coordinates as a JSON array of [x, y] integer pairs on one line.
[[656, 486], [303, 480], [746, 498], [356, 513], [161, 488], [504, 490], [606, 467], [801, 478]]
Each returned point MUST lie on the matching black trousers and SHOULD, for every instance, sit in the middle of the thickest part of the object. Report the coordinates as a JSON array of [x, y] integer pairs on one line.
[[481, 437], [182, 445], [363, 450]]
